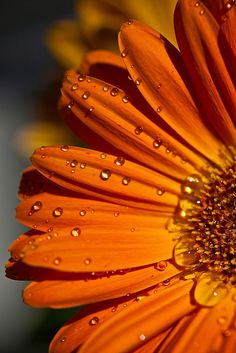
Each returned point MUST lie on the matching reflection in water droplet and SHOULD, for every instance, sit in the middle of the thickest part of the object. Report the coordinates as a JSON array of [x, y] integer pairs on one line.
[[138, 130], [94, 321], [209, 290], [105, 174], [126, 180], [124, 53], [106, 88], [81, 77], [74, 87], [64, 148], [184, 252], [87, 261], [161, 265], [138, 81], [74, 163], [82, 213], [119, 161], [75, 232], [157, 143], [160, 191], [114, 92], [57, 261], [57, 212], [85, 95]]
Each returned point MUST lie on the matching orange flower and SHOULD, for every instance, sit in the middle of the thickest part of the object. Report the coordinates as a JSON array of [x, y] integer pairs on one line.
[[144, 230]]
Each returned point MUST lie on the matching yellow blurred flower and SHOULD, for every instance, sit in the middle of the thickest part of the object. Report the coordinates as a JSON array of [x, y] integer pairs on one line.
[[97, 24]]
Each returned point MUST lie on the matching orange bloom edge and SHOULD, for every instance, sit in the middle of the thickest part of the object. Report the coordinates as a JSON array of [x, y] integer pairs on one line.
[[141, 228]]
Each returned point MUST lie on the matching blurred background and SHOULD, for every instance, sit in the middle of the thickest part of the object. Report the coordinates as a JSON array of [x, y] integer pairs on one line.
[[27, 70], [35, 51]]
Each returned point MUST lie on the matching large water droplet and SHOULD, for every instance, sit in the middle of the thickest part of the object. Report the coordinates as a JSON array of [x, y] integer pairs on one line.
[[209, 290], [57, 212], [105, 174]]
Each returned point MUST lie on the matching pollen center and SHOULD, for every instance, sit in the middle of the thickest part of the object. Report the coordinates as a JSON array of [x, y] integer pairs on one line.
[[206, 223]]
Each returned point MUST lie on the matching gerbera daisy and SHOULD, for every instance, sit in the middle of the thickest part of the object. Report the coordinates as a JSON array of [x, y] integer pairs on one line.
[[141, 229]]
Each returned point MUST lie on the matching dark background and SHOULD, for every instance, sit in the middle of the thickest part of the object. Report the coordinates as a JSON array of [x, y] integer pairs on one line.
[[26, 67]]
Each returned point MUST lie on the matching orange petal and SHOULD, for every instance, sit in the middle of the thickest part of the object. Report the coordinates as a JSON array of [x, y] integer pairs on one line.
[[197, 33], [99, 248], [77, 330], [131, 327], [100, 57], [149, 61], [108, 177], [220, 319], [38, 212], [96, 287], [112, 115]]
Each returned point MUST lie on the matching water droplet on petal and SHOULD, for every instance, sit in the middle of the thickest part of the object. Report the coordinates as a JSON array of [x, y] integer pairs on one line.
[[57, 261], [103, 155], [114, 92], [87, 261], [116, 214], [57, 212], [202, 12], [161, 265], [106, 88], [82, 213], [63, 339], [126, 180], [159, 85], [138, 81], [74, 163], [160, 191], [42, 148], [125, 99], [70, 104], [130, 22], [184, 252], [197, 4], [124, 53], [94, 321], [209, 290], [157, 143], [74, 87], [64, 148], [81, 77], [138, 130], [221, 320], [85, 95], [119, 161], [105, 174], [43, 155], [159, 109], [142, 337], [75, 232]]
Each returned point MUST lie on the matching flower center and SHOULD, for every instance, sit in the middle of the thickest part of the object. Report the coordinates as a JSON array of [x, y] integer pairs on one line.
[[205, 223]]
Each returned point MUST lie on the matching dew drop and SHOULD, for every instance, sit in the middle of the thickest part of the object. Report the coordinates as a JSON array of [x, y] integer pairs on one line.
[[119, 161], [209, 290], [82, 165], [63, 339], [43, 155], [85, 95], [73, 163], [160, 191], [125, 99], [132, 230], [105, 174], [116, 214], [57, 212], [130, 22], [159, 85], [82, 213], [49, 236], [87, 261], [35, 208], [94, 321], [42, 148], [197, 4], [126, 180], [157, 143], [159, 109], [57, 261], [74, 87], [142, 337], [114, 92], [138, 130], [202, 12], [221, 320], [161, 265], [124, 53], [106, 88], [138, 81], [64, 148], [114, 309], [89, 111], [81, 77], [70, 104], [103, 155], [166, 282], [75, 232]]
